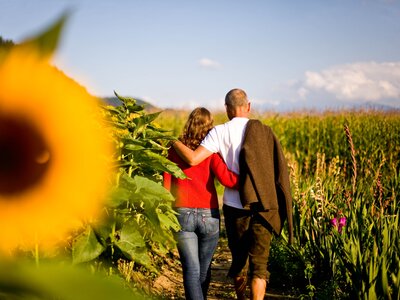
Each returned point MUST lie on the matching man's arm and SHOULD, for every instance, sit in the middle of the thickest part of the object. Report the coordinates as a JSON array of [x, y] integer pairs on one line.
[[192, 157]]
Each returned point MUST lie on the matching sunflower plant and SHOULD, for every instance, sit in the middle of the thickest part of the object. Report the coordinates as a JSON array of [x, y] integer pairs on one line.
[[54, 152], [138, 221], [56, 171]]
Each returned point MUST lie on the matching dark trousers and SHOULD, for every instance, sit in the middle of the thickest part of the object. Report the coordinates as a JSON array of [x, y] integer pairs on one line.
[[249, 240]]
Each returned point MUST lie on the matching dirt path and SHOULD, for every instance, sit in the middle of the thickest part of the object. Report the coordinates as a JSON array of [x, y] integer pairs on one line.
[[170, 284], [221, 286]]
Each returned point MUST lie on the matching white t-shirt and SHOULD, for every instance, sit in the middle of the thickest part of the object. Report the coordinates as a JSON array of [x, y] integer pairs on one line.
[[226, 139]]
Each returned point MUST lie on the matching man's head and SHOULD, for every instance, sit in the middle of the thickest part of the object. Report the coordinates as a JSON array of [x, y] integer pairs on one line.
[[237, 104]]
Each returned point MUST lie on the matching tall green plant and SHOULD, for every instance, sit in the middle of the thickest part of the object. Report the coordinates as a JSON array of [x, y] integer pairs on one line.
[[138, 221], [351, 173]]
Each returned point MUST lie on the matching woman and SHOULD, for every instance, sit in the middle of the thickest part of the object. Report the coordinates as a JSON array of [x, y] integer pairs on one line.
[[197, 205]]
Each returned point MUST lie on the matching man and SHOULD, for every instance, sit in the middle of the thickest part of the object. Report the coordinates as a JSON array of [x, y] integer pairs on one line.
[[248, 229]]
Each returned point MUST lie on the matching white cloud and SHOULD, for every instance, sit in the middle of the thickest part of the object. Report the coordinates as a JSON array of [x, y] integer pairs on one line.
[[209, 63], [302, 92], [365, 81]]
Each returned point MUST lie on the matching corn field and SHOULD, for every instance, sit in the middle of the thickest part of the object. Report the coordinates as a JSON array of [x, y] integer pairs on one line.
[[344, 169]]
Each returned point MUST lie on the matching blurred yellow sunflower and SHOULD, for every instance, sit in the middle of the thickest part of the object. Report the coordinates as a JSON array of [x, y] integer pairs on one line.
[[55, 158]]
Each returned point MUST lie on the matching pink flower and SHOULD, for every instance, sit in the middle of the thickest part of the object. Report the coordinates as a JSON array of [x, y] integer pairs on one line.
[[340, 225]]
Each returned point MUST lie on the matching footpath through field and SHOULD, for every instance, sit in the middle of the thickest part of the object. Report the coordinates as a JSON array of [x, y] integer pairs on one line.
[[170, 283]]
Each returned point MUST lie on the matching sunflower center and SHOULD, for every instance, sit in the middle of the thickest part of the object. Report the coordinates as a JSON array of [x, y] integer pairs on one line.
[[24, 155]]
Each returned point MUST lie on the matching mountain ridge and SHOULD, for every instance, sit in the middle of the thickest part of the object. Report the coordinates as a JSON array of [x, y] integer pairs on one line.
[[114, 101]]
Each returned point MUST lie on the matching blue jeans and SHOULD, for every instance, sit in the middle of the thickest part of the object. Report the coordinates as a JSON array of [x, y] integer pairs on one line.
[[197, 241]]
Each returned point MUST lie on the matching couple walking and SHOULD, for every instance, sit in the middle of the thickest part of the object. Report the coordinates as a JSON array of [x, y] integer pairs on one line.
[[245, 156]]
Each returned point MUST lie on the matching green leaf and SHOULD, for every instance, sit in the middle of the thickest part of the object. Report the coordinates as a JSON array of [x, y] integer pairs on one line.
[[118, 196], [104, 229], [133, 107], [125, 99], [156, 145], [140, 127], [46, 42], [113, 109], [127, 182], [175, 171], [151, 117], [159, 129], [86, 247], [5, 47], [23, 280], [130, 236], [133, 147], [160, 163], [149, 187], [132, 245], [168, 221], [130, 103]]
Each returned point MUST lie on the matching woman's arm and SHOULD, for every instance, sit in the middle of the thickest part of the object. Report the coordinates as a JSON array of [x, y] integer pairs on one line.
[[189, 156], [225, 176]]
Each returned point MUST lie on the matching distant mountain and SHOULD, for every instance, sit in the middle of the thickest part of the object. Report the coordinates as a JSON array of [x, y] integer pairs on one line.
[[324, 106], [114, 101], [377, 106]]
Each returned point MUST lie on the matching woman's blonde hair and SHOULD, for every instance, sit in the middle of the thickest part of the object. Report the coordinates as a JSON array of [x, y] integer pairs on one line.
[[199, 123]]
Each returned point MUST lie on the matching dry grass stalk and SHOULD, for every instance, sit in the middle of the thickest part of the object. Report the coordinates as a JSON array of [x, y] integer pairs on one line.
[[353, 156], [126, 269]]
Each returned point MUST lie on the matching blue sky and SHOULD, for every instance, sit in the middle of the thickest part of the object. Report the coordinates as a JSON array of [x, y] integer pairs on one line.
[[182, 54]]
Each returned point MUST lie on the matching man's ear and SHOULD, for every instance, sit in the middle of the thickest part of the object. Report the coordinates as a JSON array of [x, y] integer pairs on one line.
[[246, 109]]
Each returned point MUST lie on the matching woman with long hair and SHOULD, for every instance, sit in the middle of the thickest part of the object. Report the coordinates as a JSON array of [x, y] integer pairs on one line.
[[196, 203]]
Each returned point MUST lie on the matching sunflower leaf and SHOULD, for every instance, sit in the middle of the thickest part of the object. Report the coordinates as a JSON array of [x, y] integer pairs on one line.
[[46, 42], [158, 162], [147, 187], [168, 221], [86, 247], [118, 196], [24, 280], [132, 245]]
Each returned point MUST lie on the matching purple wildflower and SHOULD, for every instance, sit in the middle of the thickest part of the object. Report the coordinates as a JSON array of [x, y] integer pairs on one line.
[[340, 225]]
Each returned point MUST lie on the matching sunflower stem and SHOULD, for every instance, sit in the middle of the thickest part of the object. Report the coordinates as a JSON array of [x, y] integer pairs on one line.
[[113, 233], [37, 254]]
